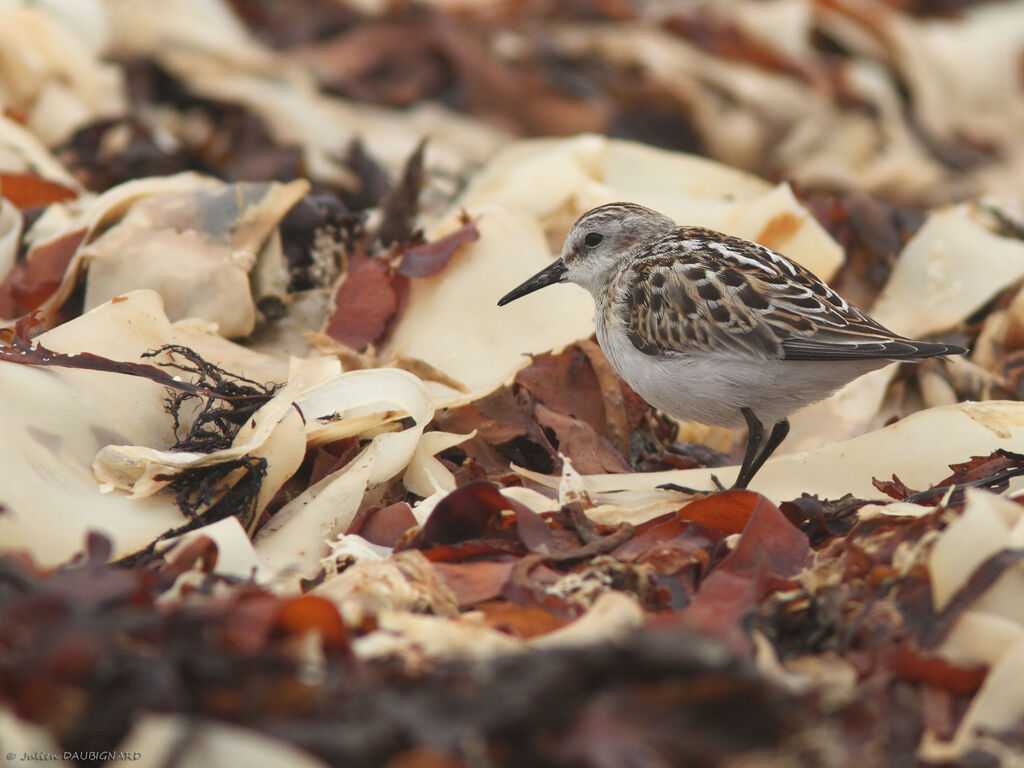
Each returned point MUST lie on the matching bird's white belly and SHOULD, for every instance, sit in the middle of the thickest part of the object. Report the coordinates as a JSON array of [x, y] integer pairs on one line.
[[712, 388]]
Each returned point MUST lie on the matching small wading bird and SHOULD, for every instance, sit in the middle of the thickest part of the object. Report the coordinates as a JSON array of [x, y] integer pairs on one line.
[[718, 329]]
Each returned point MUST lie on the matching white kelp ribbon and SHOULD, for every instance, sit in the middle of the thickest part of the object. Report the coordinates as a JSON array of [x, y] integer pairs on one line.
[[357, 403]]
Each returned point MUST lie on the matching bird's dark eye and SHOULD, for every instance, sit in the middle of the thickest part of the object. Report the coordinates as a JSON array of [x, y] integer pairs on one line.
[[592, 239]]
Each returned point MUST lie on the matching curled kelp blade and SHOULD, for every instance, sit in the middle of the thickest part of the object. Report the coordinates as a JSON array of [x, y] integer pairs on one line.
[[89, 428], [296, 538]]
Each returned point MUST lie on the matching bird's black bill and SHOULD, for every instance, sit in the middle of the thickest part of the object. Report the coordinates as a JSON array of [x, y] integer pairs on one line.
[[551, 274]]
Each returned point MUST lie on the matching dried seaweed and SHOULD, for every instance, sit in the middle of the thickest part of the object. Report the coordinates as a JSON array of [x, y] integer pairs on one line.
[[203, 493], [201, 496], [992, 472], [25, 352], [401, 203], [230, 400]]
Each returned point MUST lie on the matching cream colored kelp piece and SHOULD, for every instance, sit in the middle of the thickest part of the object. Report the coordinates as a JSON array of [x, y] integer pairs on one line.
[[214, 231], [62, 424], [991, 631], [52, 68], [358, 402], [953, 265], [556, 180], [192, 238], [204, 44], [54, 421], [275, 434], [21, 151], [20, 737]]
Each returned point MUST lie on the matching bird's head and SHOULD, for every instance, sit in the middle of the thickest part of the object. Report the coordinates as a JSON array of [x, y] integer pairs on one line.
[[595, 247]]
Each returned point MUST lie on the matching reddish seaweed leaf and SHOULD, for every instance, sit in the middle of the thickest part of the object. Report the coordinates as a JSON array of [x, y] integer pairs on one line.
[[768, 539], [26, 190], [623, 408], [472, 549], [365, 302], [720, 604], [469, 522], [249, 620], [992, 472], [769, 550], [985, 471], [466, 513], [309, 613], [477, 581], [590, 453], [200, 550], [504, 421], [428, 259], [909, 664], [567, 383], [384, 525], [533, 530], [521, 620], [670, 534], [29, 353], [729, 511], [34, 280], [894, 489]]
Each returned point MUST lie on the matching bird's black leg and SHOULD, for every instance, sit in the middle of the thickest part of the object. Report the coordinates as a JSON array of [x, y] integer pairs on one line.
[[750, 463], [758, 451], [779, 432], [775, 438]]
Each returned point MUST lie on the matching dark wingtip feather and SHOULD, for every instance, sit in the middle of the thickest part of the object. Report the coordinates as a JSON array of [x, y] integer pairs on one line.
[[933, 349], [798, 348]]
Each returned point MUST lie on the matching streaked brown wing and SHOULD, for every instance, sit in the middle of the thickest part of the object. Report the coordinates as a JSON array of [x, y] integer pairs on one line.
[[666, 311], [697, 291]]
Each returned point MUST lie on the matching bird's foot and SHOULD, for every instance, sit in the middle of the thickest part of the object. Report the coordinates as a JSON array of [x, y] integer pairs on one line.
[[694, 491], [679, 488]]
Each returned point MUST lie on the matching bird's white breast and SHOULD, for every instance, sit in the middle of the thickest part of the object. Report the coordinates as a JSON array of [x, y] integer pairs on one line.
[[712, 387]]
